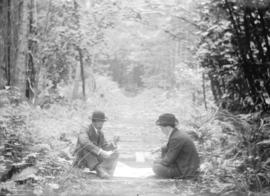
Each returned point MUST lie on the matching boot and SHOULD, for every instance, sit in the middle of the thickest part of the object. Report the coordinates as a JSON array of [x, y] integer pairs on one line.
[[102, 173]]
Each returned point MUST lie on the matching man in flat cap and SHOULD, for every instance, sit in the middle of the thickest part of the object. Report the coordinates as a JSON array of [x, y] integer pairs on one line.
[[179, 157], [93, 151]]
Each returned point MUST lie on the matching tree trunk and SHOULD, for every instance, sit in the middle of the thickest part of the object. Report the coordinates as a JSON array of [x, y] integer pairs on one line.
[[235, 26], [31, 82], [47, 17], [2, 45], [248, 34], [19, 75], [82, 71], [245, 64], [265, 33], [93, 85], [213, 88], [7, 41], [76, 83], [204, 91], [8, 45]]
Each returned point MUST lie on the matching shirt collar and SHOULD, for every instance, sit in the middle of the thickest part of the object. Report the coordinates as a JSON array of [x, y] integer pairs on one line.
[[170, 134], [95, 129]]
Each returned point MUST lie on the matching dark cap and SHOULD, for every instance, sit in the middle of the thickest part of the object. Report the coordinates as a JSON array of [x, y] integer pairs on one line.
[[167, 119], [99, 116]]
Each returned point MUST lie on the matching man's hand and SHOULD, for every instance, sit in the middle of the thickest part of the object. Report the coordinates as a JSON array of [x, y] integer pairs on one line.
[[157, 160], [116, 139], [106, 154], [155, 150]]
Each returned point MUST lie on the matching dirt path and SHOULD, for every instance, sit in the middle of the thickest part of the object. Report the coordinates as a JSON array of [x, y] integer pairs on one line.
[[130, 187], [133, 119], [134, 122]]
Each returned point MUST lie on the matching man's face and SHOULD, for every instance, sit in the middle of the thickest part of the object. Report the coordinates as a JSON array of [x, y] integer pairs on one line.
[[98, 124], [164, 130]]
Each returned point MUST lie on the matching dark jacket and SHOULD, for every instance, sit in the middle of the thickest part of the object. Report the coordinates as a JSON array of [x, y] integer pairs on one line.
[[90, 142], [181, 151]]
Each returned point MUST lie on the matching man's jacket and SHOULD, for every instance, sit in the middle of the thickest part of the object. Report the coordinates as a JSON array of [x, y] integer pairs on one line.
[[181, 152], [89, 143]]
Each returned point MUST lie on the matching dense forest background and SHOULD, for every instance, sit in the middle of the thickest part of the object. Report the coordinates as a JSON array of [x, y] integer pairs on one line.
[[206, 61], [139, 45]]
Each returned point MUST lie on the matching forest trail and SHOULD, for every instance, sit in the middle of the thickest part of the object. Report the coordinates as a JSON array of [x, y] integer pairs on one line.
[[205, 61], [55, 129], [133, 119]]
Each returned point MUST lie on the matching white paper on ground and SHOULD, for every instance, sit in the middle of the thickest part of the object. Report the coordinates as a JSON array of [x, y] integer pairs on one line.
[[143, 156], [123, 170], [140, 157]]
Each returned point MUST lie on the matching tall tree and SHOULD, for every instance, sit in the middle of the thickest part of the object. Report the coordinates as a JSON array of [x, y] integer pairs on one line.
[[19, 74]]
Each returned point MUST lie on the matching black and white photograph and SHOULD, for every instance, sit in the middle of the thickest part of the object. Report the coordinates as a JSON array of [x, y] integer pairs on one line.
[[135, 97]]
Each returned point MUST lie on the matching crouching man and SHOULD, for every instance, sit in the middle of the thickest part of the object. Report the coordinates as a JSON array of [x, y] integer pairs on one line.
[[93, 151], [179, 157]]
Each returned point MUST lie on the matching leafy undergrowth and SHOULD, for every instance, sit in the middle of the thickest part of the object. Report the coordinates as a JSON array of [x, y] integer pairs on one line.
[[36, 147], [235, 151]]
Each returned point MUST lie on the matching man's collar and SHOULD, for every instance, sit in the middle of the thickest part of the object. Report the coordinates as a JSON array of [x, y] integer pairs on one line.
[[95, 129], [170, 134]]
